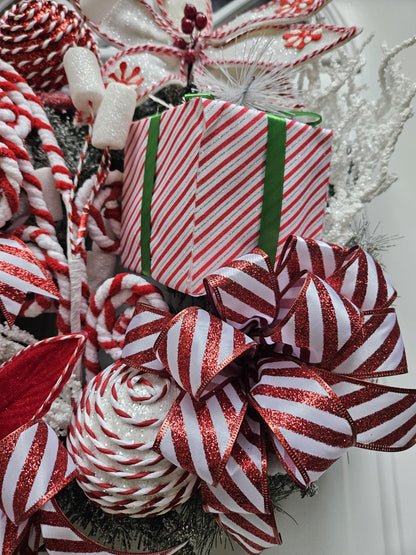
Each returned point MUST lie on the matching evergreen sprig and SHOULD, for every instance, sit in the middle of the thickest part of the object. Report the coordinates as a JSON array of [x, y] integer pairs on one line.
[[189, 523]]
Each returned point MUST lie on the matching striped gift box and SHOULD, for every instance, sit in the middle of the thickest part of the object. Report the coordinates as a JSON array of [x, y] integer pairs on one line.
[[208, 181]]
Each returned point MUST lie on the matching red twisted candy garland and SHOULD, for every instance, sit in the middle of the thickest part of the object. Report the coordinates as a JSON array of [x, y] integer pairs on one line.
[[34, 36]]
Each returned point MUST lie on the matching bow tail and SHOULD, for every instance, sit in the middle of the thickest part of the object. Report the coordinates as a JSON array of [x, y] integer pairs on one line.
[[384, 417], [253, 532], [60, 536], [243, 487], [19, 539], [11, 535], [30, 543], [242, 498], [35, 466], [198, 435]]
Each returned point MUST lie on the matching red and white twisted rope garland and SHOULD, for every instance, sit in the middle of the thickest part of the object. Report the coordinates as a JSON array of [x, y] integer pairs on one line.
[[22, 113]]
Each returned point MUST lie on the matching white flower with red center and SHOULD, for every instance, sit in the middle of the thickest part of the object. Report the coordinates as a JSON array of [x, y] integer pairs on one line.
[[173, 41], [299, 38], [289, 7]]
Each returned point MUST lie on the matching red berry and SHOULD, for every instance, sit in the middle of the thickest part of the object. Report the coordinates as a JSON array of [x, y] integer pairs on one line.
[[179, 42], [201, 21], [190, 56], [190, 11], [187, 25]]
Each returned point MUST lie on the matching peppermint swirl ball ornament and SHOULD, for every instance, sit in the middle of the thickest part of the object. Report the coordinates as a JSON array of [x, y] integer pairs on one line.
[[34, 36], [111, 437]]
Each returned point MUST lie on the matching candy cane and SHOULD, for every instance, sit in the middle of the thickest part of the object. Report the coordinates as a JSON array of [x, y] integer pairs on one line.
[[106, 328], [103, 224]]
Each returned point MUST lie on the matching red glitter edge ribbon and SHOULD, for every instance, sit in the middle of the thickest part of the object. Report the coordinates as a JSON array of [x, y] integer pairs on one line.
[[327, 264]]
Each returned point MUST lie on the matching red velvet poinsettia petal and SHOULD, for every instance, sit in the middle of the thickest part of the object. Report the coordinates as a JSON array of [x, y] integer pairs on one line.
[[31, 380]]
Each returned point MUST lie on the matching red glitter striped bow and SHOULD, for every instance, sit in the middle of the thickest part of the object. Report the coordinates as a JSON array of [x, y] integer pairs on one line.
[[288, 357], [34, 465], [20, 273]]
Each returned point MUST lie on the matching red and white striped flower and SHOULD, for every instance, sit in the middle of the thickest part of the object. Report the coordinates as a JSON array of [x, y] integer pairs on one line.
[[172, 42], [288, 357]]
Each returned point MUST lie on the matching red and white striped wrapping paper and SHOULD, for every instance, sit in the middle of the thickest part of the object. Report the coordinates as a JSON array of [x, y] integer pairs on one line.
[[208, 189]]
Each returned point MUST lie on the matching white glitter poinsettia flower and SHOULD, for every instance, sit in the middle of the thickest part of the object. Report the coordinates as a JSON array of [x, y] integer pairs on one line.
[[173, 41]]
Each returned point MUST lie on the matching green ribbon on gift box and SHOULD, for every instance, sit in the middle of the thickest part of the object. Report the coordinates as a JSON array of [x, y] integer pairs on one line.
[[272, 188], [148, 187]]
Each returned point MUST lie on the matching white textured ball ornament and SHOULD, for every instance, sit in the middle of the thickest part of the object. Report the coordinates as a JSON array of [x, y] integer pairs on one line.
[[111, 437]]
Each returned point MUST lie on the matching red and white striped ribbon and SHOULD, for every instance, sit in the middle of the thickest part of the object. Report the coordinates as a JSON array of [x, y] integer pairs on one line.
[[315, 402], [230, 495], [253, 532], [251, 297], [326, 305], [143, 330], [311, 429], [20, 273], [11, 535], [384, 416], [210, 429], [34, 467], [351, 272], [314, 320], [196, 346], [60, 536]]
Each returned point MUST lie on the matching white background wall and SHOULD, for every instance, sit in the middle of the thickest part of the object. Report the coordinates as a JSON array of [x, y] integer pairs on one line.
[[366, 503]]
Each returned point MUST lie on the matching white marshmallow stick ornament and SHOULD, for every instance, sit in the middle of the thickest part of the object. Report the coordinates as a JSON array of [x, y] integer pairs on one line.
[[113, 107], [87, 91], [113, 111], [83, 72], [114, 117]]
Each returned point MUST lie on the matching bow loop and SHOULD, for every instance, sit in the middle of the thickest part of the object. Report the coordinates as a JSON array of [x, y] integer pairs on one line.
[[143, 330], [377, 350], [199, 435], [35, 465], [195, 346], [316, 322], [245, 292], [362, 280], [384, 417], [300, 255]]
